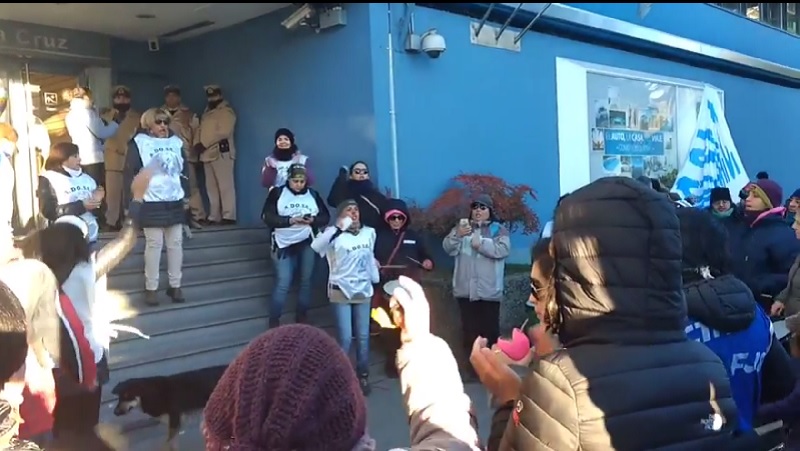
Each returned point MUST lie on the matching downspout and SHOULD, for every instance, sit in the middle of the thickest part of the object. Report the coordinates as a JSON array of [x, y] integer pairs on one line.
[[392, 112]]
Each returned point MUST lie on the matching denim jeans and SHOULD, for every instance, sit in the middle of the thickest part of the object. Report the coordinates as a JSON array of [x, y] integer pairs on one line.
[[353, 320], [301, 261]]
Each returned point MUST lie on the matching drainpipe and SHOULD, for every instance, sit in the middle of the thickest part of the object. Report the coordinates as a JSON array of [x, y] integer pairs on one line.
[[392, 112]]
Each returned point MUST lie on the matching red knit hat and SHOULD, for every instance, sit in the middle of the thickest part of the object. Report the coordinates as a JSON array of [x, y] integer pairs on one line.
[[291, 388]]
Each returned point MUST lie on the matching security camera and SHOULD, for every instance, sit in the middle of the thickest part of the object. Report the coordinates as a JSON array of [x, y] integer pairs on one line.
[[153, 45], [433, 44], [298, 17]]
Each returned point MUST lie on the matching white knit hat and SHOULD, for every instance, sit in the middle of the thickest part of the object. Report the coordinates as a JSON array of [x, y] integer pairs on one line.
[[76, 221]]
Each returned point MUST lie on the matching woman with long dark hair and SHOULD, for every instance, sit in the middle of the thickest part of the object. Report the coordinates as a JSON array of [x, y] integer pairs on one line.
[[355, 183], [86, 331]]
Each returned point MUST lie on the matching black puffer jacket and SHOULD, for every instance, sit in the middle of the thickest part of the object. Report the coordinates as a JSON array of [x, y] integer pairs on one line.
[[627, 377]]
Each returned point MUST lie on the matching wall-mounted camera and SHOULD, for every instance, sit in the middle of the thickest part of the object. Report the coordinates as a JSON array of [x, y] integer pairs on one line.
[[153, 45], [298, 17], [433, 43]]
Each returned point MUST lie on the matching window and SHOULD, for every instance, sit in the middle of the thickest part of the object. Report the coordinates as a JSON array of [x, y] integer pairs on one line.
[[778, 15], [614, 121]]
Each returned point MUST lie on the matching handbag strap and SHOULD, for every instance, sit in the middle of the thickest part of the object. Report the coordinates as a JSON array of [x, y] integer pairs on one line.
[[396, 248], [371, 204]]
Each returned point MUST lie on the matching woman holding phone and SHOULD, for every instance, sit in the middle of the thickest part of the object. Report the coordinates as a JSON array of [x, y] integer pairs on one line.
[[480, 245], [294, 213], [350, 248]]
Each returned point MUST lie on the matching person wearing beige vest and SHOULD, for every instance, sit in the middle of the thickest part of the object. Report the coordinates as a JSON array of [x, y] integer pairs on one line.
[[114, 151], [185, 124], [216, 150]]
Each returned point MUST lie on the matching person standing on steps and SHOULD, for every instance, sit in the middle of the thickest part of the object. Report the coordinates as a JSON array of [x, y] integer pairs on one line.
[[215, 147], [165, 203], [185, 124], [116, 147], [295, 213], [349, 248], [274, 173]]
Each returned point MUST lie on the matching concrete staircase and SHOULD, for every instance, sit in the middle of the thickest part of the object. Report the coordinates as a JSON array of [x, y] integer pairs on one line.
[[227, 281]]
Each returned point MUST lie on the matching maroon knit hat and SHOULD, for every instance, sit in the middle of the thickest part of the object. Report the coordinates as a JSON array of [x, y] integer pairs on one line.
[[771, 190], [291, 388]]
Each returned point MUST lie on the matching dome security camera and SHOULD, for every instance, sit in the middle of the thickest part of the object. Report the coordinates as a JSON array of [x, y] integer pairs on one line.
[[433, 44]]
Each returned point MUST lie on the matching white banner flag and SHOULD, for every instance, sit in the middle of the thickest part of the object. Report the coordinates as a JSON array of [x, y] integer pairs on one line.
[[713, 160]]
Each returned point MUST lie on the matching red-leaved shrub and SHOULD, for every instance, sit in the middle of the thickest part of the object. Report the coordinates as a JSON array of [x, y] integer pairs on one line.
[[510, 204]]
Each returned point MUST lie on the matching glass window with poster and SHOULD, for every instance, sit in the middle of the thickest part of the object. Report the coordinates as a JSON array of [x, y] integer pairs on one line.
[[637, 124]]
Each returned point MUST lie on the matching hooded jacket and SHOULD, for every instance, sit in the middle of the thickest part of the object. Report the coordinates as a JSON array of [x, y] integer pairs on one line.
[[724, 316], [409, 244], [627, 377]]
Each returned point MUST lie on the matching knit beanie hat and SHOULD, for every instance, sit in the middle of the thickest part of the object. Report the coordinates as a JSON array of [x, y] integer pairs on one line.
[[291, 388], [768, 191], [343, 205], [720, 193], [284, 132]]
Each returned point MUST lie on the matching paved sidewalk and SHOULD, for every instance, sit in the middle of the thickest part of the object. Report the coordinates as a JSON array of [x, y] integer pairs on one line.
[[387, 421]]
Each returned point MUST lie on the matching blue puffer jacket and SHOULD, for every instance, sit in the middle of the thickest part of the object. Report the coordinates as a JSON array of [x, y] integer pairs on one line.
[[763, 251]]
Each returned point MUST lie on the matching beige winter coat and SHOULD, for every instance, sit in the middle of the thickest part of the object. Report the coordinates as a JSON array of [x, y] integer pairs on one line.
[[116, 147], [216, 125]]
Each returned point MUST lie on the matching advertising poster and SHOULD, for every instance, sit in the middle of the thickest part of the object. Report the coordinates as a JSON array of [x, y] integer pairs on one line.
[[633, 128]]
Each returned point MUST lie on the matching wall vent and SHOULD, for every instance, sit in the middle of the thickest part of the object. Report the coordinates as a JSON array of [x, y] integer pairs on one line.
[[187, 29]]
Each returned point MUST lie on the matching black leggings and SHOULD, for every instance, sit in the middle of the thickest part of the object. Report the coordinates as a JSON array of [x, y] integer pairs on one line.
[[479, 318], [76, 414]]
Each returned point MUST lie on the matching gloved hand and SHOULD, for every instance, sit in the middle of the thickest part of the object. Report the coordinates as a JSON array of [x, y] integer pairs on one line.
[[199, 148]]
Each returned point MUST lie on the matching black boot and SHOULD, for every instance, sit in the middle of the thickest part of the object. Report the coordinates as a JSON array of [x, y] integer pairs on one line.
[[176, 295]]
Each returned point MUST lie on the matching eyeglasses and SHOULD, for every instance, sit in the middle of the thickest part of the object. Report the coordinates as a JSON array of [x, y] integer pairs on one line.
[[360, 171], [397, 218], [162, 121], [535, 291], [480, 207]]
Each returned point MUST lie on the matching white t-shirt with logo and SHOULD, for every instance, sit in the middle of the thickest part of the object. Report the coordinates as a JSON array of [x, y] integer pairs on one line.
[[294, 205], [74, 188]]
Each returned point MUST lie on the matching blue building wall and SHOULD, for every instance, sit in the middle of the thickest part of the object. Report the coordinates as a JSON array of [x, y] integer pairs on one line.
[[134, 66], [706, 23], [318, 85], [494, 111]]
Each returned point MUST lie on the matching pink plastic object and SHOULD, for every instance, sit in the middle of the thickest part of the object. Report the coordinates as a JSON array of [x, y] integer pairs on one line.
[[518, 347]]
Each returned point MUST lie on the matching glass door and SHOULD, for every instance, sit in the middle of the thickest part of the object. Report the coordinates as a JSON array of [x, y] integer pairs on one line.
[[16, 112]]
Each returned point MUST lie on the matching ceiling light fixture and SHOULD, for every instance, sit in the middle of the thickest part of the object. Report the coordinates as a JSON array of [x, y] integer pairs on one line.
[[145, 16]]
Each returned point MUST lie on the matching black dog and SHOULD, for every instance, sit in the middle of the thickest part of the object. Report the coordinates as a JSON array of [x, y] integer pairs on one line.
[[170, 396]]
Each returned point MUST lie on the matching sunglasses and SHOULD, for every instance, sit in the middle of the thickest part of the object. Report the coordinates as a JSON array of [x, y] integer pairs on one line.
[[480, 207], [360, 171], [162, 121], [535, 290], [397, 218]]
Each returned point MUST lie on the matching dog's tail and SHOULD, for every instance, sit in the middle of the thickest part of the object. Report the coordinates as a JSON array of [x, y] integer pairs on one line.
[[112, 436]]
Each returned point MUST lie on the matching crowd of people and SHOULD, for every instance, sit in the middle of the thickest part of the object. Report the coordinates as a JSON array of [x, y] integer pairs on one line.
[[632, 295], [632, 292]]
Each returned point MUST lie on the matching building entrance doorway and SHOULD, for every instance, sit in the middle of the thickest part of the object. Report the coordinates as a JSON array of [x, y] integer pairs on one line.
[[35, 107]]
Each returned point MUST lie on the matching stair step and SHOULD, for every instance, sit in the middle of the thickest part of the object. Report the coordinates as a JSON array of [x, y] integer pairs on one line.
[[192, 273], [199, 254], [205, 237], [194, 315]]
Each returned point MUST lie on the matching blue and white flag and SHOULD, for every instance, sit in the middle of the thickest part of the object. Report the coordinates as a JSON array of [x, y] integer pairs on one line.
[[713, 160]]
